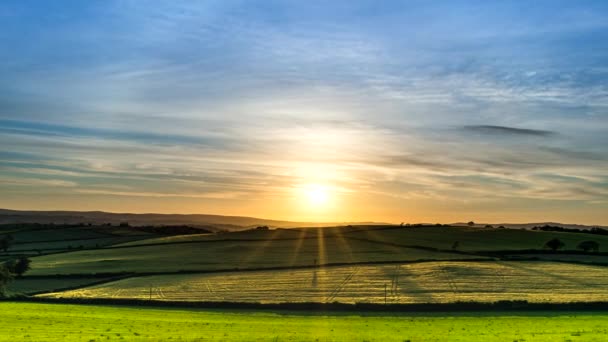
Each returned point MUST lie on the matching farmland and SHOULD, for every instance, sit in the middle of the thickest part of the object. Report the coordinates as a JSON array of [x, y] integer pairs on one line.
[[298, 247], [431, 282], [343, 264], [228, 254], [60, 322], [348, 266], [34, 240]]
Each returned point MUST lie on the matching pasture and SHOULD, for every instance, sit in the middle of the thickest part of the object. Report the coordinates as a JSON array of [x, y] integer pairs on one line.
[[34, 240], [61, 322], [228, 254]]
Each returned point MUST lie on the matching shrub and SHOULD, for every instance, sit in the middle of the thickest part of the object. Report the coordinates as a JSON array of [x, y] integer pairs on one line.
[[554, 244], [589, 246]]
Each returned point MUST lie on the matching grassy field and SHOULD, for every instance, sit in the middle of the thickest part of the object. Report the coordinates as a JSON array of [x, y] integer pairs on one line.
[[474, 239], [33, 241], [60, 322], [285, 248], [429, 282], [222, 254], [469, 239]]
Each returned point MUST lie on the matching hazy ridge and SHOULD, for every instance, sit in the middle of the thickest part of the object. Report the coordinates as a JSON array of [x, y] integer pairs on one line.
[[100, 217]]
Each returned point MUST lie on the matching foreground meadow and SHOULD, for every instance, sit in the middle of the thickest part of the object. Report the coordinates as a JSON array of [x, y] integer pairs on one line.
[[60, 322]]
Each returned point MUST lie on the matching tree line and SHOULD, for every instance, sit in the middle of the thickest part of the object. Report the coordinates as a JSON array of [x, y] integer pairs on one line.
[[586, 246]]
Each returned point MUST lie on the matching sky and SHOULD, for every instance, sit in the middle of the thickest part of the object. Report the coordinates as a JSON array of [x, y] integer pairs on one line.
[[391, 111]]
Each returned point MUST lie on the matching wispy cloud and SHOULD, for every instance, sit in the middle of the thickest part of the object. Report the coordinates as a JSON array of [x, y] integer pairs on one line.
[[493, 129], [218, 101]]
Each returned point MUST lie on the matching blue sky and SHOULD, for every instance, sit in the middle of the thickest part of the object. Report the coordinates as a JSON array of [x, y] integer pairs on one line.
[[401, 111]]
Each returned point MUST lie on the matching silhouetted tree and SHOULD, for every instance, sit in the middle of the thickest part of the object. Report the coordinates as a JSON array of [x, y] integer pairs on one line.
[[471, 224], [589, 246], [554, 244], [489, 226], [20, 266], [6, 242]]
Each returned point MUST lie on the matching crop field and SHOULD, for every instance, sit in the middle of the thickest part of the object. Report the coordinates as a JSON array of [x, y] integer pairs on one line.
[[220, 254], [429, 282], [61, 322]]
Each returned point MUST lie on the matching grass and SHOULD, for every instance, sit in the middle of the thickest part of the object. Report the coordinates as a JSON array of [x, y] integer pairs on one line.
[[297, 247], [429, 282], [222, 255], [33, 240], [475, 239], [61, 322]]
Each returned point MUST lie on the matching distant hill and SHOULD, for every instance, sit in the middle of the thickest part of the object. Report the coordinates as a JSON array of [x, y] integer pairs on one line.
[[532, 225], [218, 222]]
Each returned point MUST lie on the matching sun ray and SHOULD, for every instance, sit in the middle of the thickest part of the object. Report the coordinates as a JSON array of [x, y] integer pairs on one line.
[[321, 259], [296, 250], [349, 251], [261, 249]]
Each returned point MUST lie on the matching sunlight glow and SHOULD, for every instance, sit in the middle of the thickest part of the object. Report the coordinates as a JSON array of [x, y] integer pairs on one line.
[[316, 194]]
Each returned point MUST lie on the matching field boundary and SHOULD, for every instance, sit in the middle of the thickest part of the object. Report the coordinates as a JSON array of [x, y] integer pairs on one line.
[[333, 306], [82, 286]]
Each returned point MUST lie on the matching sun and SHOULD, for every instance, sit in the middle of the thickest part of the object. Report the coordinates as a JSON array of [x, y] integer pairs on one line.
[[317, 195]]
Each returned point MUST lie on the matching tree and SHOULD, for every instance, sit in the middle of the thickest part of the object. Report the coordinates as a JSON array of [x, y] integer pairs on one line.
[[455, 245], [589, 246], [471, 224], [554, 244], [19, 266], [489, 226], [6, 242]]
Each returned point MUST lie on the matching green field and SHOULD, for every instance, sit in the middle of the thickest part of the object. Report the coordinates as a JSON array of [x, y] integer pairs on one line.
[[34, 241], [301, 247], [475, 239], [429, 282], [226, 254], [60, 322], [469, 239]]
